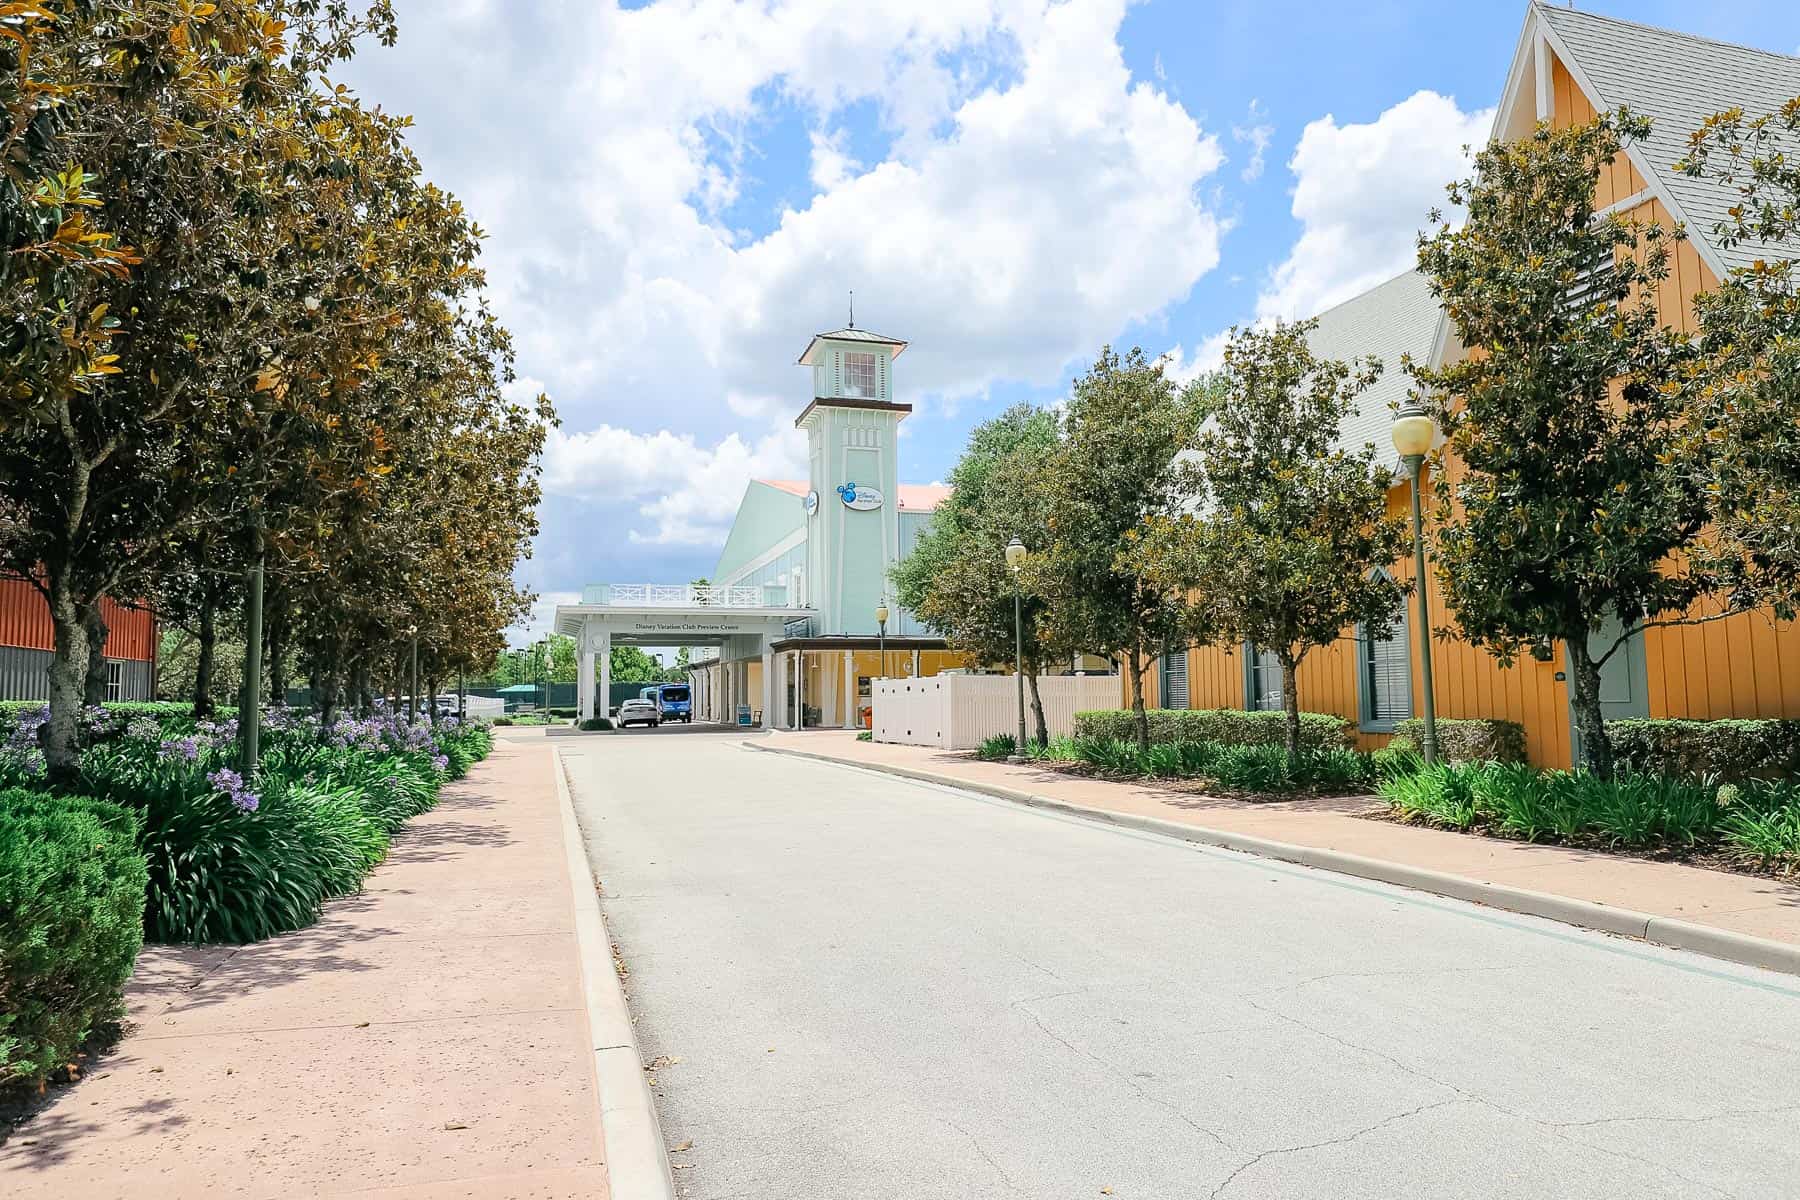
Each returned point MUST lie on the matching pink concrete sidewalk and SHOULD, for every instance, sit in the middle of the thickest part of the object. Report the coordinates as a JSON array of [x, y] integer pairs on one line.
[[428, 1037], [1740, 904]]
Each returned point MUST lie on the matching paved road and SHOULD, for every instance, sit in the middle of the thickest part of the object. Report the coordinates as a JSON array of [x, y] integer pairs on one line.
[[883, 989]]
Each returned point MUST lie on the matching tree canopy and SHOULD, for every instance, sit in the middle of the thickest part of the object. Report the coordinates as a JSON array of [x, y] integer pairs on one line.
[[1286, 534]]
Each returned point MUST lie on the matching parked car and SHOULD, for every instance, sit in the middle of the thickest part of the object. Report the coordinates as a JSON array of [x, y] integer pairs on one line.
[[638, 711]]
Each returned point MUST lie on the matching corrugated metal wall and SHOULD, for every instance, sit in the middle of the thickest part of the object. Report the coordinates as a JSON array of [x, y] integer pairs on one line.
[[24, 675], [25, 624]]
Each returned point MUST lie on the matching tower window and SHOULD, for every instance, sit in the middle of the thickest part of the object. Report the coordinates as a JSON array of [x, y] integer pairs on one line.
[[859, 376]]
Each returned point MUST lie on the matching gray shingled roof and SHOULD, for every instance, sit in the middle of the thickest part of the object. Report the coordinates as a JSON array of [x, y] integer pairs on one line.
[[851, 333], [1677, 80], [1395, 318]]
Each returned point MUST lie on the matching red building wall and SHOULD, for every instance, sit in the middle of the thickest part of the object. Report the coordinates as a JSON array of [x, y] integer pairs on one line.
[[25, 623]]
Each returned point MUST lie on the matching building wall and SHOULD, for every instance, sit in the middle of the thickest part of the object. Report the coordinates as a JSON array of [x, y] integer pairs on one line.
[[26, 640], [1746, 665]]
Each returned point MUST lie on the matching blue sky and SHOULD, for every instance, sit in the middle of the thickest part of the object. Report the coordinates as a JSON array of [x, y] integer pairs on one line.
[[679, 193]]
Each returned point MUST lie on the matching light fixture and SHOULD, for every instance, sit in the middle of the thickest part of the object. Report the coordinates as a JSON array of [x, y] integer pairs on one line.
[[1016, 554], [1413, 431]]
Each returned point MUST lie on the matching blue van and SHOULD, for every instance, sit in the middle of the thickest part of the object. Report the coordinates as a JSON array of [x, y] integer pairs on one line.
[[675, 701]]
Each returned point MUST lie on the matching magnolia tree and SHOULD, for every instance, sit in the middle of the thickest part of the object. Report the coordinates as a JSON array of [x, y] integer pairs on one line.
[[1287, 531], [1114, 469], [1742, 439], [956, 579], [1566, 507]]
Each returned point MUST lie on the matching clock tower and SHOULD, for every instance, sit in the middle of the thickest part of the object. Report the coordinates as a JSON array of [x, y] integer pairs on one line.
[[853, 499]]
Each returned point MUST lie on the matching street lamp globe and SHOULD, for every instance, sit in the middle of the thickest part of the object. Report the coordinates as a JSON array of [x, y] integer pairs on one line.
[[881, 613], [1413, 431], [1015, 554]]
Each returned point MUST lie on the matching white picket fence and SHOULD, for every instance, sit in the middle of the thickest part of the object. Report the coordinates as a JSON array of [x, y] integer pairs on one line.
[[959, 712]]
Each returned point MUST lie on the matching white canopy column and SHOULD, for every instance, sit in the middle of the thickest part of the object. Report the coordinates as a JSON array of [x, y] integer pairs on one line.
[[585, 680], [768, 686], [604, 649]]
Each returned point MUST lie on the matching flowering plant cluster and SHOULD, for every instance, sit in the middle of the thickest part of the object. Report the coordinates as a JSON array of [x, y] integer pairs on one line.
[[231, 784]]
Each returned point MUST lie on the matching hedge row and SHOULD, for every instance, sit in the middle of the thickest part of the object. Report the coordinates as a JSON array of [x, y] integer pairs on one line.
[[72, 887], [1219, 726], [1723, 750], [1480, 739]]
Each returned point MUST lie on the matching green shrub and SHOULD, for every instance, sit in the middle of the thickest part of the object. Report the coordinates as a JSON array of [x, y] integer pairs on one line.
[[1115, 756], [71, 921], [1059, 749], [1727, 750], [865, 736], [1221, 726], [1631, 811], [1482, 739], [503, 721], [1000, 746], [593, 724], [1441, 794], [1254, 769], [1759, 824]]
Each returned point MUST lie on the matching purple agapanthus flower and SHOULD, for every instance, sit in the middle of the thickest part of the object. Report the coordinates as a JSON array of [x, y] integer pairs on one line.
[[185, 748], [232, 784]]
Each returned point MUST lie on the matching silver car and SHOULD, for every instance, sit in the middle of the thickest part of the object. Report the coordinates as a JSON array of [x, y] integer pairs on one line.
[[639, 712]]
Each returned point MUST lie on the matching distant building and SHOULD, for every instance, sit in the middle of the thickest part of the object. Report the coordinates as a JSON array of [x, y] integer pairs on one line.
[[26, 640]]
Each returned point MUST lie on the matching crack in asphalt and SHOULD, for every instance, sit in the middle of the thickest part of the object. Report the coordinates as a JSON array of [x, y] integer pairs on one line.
[[1115, 1072], [982, 1150], [1341, 1140]]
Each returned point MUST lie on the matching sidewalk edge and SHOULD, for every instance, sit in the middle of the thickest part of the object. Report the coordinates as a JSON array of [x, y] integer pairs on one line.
[[637, 1161], [1673, 932]]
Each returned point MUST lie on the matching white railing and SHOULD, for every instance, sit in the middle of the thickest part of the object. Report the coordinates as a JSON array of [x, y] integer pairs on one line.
[[682, 595]]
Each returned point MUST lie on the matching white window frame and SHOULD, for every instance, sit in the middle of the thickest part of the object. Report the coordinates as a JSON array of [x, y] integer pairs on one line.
[[115, 680], [855, 362]]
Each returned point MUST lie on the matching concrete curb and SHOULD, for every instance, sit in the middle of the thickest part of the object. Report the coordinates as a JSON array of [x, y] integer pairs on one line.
[[637, 1161], [1663, 931]]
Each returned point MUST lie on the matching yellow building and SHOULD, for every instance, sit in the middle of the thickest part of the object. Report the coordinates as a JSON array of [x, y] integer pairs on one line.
[[1569, 65]]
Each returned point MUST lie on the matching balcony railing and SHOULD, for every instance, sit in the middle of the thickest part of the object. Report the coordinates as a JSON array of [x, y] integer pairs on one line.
[[684, 595]]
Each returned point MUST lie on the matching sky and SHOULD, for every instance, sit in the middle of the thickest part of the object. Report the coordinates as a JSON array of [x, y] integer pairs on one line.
[[678, 194]]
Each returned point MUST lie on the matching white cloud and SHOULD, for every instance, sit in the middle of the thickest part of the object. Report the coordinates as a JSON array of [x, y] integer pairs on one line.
[[684, 492], [1362, 193], [541, 620], [1034, 200], [831, 166], [1209, 355], [1255, 132]]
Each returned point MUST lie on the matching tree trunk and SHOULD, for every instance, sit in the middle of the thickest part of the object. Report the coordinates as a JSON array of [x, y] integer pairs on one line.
[[1135, 661], [203, 661], [1037, 708], [431, 690], [94, 688], [275, 621], [60, 736], [1596, 746], [1290, 702]]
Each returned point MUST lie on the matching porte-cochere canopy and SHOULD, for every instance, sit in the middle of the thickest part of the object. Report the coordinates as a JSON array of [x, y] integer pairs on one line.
[[743, 622]]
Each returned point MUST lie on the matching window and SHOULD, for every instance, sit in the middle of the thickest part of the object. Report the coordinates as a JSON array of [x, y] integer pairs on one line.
[[859, 376], [115, 681], [1384, 666], [1262, 680], [1174, 679]]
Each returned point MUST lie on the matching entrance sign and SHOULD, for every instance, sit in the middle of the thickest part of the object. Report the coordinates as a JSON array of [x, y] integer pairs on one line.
[[811, 503], [860, 496]]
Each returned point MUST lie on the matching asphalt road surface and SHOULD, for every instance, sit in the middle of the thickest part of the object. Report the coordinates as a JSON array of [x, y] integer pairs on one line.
[[856, 986]]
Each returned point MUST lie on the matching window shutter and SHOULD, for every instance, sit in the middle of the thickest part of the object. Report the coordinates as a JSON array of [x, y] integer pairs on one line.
[[1175, 680]]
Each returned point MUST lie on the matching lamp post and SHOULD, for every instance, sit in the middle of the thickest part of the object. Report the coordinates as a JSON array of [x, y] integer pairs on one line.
[[1015, 560], [412, 687], [1413, 432], [881, 618]]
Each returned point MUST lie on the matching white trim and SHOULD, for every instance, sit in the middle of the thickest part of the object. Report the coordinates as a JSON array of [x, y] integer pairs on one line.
[[1653, 182], [1546, 92], [1630, 202]]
